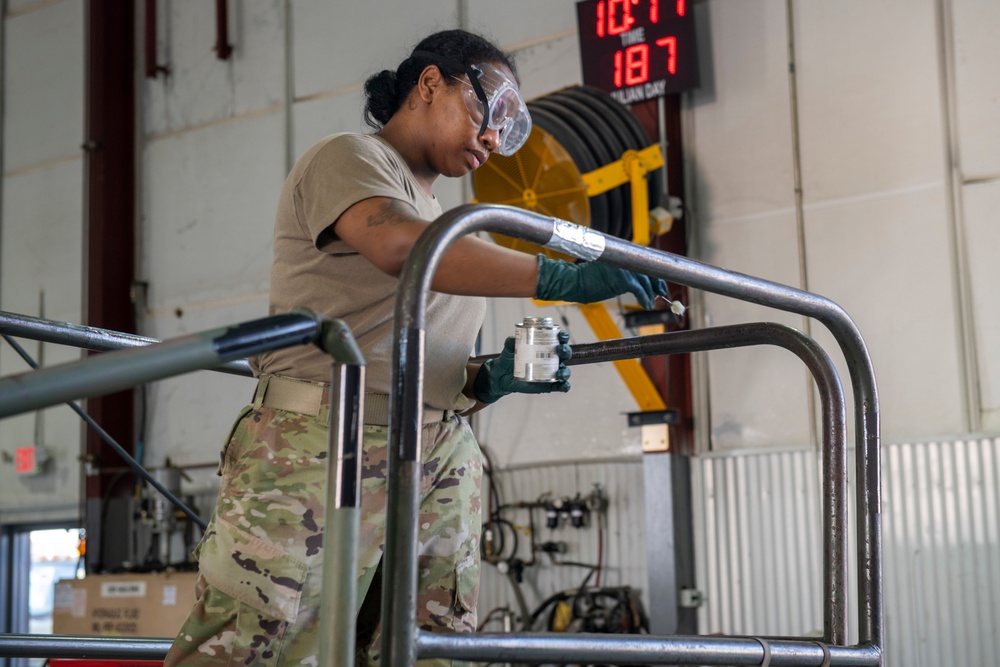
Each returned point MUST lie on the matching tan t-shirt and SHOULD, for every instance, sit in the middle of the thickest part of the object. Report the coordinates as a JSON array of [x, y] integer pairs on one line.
[[314, 269]]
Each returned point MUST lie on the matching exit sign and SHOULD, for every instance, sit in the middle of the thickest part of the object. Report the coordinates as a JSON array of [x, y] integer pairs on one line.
[[28, 460]]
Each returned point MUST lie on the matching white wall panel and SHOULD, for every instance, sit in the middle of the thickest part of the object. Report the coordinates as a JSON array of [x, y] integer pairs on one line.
[[43, 85], [189, 414], [41, 249], [321, 116], [982, 228], [737, 138], [316, 118], [520, 21], [872, 149], [339, 44], [977, 86], [869, 100], [544, 68], [759, 394], [200, 88], [740, 171], [210, 197], [760, 398], [53, 495], [41, 246], [257, 34], [452, 192], [884, 261]]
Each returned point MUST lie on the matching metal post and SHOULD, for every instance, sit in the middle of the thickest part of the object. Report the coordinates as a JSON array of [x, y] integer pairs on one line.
[[399, 588], [338, 606], [663, 590], [73, 646]]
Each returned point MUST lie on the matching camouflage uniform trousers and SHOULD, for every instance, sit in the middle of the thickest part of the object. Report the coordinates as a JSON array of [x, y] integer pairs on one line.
[[260, 561]]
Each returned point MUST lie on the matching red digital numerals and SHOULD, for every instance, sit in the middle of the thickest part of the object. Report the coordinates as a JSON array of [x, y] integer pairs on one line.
[[637, 50], [631, 64]]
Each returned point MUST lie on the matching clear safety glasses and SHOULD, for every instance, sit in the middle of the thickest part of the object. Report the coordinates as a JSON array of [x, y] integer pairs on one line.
[[494, 102], [508, 114]]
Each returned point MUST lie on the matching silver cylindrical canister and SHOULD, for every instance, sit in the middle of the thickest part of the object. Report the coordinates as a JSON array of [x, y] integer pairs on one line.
[[535, 342]]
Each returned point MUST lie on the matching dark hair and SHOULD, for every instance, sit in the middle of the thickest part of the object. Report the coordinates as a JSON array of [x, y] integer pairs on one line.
[[386, 91]]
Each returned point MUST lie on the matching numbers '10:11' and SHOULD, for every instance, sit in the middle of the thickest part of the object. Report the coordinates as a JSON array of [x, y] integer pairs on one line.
[[619, 17]]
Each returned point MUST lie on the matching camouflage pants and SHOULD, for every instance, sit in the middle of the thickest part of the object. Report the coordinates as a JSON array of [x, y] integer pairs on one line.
[[260, 560]]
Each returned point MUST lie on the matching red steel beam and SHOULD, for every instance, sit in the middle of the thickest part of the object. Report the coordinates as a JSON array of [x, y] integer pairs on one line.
[[110, 216]]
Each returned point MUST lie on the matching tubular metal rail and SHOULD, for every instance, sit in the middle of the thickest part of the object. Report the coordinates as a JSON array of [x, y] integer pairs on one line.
[[833, 433], [834, 468], [403, 642], [146, 360], [91, 338]]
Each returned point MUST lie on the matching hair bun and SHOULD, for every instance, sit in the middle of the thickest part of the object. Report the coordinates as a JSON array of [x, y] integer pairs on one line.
[[381, 91]]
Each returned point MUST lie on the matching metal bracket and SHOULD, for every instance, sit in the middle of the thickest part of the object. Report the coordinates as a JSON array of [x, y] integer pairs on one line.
[[691, 598], [654, 417], [654, 428]]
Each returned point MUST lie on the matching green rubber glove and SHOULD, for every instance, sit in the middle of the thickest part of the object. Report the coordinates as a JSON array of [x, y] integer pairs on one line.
[[496, 376], [587, 282]]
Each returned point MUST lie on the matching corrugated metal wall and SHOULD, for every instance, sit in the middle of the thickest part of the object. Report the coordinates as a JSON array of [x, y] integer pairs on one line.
[[758, 548], [758, 544], [941, 503]]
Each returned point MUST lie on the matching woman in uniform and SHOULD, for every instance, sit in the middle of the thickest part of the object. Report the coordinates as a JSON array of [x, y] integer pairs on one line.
[[349, 213]]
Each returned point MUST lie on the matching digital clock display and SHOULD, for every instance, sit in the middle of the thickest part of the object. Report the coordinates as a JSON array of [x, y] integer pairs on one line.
[[637, 50]]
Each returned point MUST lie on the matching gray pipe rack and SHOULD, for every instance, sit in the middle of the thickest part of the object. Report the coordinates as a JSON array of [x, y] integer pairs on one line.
[[403, 642]]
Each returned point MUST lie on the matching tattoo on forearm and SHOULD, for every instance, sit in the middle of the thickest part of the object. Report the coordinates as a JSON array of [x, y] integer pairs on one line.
[[389, 212]]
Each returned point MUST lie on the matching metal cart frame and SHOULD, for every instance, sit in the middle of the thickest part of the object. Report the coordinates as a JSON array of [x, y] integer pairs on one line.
[[403, 642]]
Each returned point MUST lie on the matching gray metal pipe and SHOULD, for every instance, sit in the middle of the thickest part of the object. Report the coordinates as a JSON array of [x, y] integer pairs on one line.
[[338, 605], [75, 646], [398, 612], [107, 373], [557, 648], [89, 338], [833, 431]]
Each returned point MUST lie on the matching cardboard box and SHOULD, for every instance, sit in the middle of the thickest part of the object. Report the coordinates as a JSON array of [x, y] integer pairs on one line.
[[123, 605]]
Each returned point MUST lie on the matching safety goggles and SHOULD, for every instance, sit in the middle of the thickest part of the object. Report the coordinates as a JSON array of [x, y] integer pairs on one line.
[[494, 102]]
